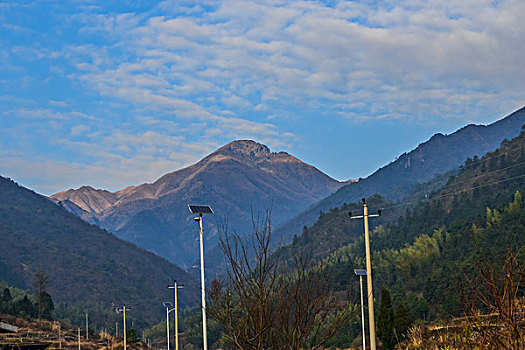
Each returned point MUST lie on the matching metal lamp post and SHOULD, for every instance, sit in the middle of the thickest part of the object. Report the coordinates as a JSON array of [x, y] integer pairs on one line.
[[202, 209], [167, 305], [362, 273]]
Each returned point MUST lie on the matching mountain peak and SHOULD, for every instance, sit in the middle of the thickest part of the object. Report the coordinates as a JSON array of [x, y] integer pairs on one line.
[[247, 147]]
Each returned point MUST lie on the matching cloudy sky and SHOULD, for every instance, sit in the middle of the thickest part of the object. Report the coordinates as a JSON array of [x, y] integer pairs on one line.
[[117, 93]]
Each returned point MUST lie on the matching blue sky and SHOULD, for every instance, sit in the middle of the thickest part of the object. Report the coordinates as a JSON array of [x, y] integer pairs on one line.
[[118, 93]]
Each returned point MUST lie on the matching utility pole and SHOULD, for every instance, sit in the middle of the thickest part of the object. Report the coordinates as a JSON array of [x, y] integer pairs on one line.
[[370, 289], [59, 336], [78, 338], [123, 310], [175, 310], [87, 327]]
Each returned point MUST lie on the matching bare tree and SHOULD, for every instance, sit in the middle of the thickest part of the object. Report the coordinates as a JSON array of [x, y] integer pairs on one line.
[[495, 288], [266, 305]]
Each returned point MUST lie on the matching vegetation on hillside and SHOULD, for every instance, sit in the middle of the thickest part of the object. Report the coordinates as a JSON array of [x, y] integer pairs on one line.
[[422, 255], [264, 304], [88, 268], [438, 155]]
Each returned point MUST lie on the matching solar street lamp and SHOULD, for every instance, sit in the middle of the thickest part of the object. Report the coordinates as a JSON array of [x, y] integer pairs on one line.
[[167, 305], [175, 310], [202, 209], [362, 273]]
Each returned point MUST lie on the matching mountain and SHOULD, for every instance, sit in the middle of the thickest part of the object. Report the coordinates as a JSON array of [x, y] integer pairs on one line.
[[85, 264], [239, 179], [439, 154], [426, 254]]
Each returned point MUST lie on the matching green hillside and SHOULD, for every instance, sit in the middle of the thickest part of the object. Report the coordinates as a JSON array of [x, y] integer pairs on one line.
[[86, 265], [439, 155], [421, 255]]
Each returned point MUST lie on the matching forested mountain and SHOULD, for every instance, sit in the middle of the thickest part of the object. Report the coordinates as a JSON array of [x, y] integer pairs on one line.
[[422, 255], [236, 180], [438, 155], [85, 265]]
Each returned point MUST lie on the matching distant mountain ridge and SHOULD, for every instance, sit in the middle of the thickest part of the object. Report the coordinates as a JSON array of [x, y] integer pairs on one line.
[[85, 264], [240, 178], [441, 153]]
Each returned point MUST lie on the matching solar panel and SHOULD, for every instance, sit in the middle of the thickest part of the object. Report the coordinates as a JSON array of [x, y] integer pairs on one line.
[[200, 209], [360, 272]]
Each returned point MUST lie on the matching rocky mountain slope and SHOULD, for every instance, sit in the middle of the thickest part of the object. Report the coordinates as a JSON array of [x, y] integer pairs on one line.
[[439, 154], [239, 179], [85, 264]]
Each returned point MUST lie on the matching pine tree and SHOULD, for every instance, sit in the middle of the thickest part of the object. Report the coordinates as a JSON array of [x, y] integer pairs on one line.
[[24, 307], [47, 305], [385, 321], [401, 323], [5, 301]]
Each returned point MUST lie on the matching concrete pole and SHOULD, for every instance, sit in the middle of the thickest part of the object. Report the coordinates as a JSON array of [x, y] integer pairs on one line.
[[59, 335], [87, 328], [203, 292], [78, 338], [371, 322], [125, 345], [176, 317]]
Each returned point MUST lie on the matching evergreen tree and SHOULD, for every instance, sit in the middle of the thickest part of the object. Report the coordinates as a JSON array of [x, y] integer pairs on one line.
[[5, 301], [385, 321], [401, 323], [24, 307], [47, 305], [132, 336]]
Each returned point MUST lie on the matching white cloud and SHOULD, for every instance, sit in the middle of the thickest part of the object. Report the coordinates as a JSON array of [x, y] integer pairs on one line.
[[185, 77], [309, 54]]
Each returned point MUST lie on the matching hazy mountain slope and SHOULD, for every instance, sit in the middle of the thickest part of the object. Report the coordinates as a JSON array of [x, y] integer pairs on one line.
[[439, 154], [85, 263], [239, 178]]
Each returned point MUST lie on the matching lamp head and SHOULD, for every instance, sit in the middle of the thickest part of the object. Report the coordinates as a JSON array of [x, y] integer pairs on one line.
[[360, 272]]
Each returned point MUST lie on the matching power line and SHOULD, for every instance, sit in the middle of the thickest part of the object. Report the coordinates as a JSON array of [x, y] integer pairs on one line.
[[491, 172], [455, 192], [486, 157], [472, 164], [474, 178]]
